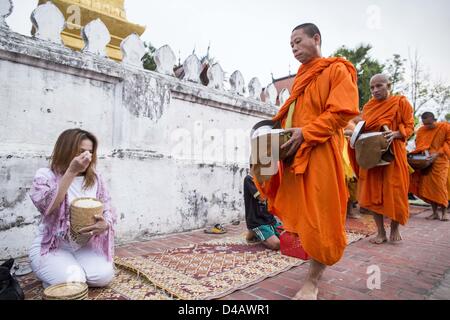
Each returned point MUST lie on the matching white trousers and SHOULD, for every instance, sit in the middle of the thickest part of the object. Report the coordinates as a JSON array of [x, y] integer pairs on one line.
[[66, 265]]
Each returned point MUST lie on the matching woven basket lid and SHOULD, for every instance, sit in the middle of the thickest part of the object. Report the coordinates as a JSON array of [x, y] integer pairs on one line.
[[66, 291]]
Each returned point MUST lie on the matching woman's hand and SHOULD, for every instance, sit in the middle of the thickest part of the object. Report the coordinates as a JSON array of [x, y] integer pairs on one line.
[[80, 163], [294, 142], [391, 135], [100, 227]]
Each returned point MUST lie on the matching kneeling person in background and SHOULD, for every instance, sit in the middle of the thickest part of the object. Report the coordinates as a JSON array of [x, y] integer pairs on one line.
[[261, 224]]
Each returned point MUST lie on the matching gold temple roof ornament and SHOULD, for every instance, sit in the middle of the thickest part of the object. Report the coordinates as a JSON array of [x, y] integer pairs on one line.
[[79, 13]]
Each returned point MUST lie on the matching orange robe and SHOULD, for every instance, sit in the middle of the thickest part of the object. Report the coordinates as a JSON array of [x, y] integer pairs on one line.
[[384, 190], [431, 185], [310, 196]]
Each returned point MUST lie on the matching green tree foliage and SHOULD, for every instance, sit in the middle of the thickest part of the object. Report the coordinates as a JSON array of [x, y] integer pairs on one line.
[[366, 66], [148, 60]]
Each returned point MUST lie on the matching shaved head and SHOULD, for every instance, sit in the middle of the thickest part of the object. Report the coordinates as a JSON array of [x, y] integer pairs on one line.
[[310, 29], [380, 78], [429, 120], [428, 115]]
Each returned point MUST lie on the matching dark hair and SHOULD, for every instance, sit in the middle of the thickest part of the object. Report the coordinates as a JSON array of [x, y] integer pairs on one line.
[[310, 29], [427, 115]]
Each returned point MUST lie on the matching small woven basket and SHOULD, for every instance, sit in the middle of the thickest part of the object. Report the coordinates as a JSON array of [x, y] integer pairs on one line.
[[81, 217], [67, 291]]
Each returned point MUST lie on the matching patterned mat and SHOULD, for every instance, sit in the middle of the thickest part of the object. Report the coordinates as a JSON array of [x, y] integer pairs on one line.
[[213, 269], [204, 271], [125, 286]]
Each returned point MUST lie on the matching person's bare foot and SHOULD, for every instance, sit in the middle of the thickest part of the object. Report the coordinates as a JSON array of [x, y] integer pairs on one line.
[[251, 236], [308, 292], [445, 217], [395, 235], [434, 216], [379, 239], [363, 211], [353, 215]]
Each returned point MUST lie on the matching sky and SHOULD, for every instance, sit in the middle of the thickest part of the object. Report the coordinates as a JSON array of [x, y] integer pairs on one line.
[[253, 36]]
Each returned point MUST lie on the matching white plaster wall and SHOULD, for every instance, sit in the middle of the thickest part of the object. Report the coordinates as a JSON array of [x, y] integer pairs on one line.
[[18, 216], [190, 126], [46, 89], [39, 104], [166, 196]]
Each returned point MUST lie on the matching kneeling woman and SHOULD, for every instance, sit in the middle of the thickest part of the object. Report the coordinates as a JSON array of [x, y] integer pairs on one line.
[[55, 257]]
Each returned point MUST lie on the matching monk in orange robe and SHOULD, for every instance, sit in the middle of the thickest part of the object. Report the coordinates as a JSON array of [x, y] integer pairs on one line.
[[309, 193], [384, 190], [430, 184]]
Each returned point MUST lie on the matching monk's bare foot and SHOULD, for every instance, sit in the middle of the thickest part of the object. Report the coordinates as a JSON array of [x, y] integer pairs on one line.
[[308, 292], [379, 239], [434, 216], [445, 217], [395, 235]]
